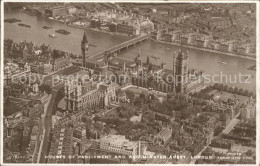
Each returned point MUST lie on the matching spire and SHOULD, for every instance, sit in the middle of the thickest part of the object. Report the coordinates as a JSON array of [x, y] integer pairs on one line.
[[124, 67], [187, 54], [174, 66], [180, 55], [173, 59], [85, 40], [162, 65], [148, 60]]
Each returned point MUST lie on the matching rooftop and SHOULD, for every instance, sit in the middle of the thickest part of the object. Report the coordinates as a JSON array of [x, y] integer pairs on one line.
[[165, 133], [119, 140]]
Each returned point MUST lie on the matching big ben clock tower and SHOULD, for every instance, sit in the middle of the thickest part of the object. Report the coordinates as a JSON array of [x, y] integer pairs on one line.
[[84, 49]]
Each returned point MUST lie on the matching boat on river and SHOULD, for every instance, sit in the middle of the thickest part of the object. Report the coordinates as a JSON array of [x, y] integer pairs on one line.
[[12, 20], [248, 76], [46, 27], [24, 25], [63, 32], [52, 35], [253, 67], [222, 62], [155, 57]]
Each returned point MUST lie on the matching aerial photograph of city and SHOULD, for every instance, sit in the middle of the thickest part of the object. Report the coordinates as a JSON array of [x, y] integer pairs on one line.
[[129, 83]]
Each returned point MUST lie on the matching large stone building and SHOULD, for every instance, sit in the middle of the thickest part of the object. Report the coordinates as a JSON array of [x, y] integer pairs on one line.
[[61, 145], [81, 94], [144, 73], [118, 145], [55, 11], [180, 79], [27, 112], [180, 71], [90, 95], [249, 112]]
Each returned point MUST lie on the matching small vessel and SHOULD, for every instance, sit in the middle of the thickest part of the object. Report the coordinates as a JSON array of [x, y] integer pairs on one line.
[[222, 62], [46, 27], [63, 32], [12, 20], [52, 35], [253, 67], [155, 57], [24, 25], [246, 76]]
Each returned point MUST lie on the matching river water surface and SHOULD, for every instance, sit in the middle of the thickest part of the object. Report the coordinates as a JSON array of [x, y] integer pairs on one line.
[[201, 60]]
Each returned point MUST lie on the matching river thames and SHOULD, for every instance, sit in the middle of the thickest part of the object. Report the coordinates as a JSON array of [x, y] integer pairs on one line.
[[198, 59]]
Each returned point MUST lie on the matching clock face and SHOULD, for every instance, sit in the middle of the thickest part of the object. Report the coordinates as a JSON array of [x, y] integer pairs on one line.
[[85, 46]]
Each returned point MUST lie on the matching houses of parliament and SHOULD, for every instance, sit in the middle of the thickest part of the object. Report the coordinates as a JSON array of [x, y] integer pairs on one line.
[[91, 95], [180, 79]]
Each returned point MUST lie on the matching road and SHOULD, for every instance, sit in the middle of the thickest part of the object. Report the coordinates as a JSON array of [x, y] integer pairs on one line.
[[43, 126], [199, 154], [231, 125], [50, 108], [48, 124]]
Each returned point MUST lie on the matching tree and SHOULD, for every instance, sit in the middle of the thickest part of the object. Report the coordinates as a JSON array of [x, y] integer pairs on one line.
[[249, 153], [226, 12], [107, 130], [150, 82], [125, 128], [236, 90], [185, 114], [226, 88], [221, 87], [241, 91], [142, 95], [137, 102], [231, 89], [88, 132], [170, 95], [216, 86], [130, 95], [45, 88], [246, 93], [251, 94], [98, 127], [86, 120]]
